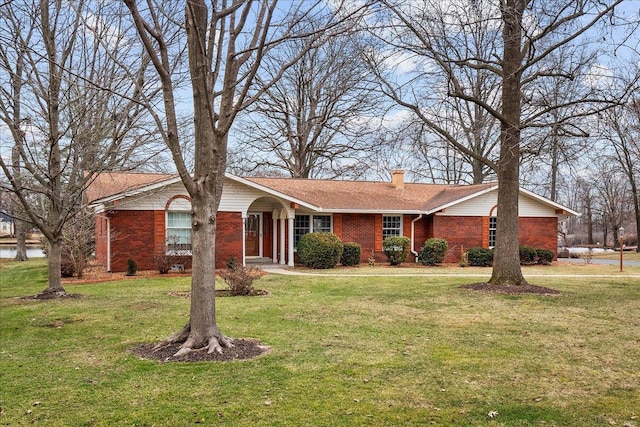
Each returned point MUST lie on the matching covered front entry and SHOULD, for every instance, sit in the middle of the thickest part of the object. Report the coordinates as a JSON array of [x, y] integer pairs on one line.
[[267, 225]]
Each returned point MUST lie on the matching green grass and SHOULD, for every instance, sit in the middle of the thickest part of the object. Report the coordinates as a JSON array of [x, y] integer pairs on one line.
[[345, 351]]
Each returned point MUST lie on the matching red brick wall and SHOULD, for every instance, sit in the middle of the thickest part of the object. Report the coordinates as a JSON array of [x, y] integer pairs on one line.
[[422, 229], [229, 237], [139, 235], [466, 232], [360, 228], [132, 236], [460, 232], [540, 233]]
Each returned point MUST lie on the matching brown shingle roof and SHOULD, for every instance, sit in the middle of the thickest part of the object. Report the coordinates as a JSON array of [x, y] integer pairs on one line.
[[332, 195], [327, 195], [111, 183]]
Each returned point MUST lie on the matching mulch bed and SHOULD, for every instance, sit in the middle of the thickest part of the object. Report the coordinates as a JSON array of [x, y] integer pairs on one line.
[[43, 296], [511, 290], [243, 349]]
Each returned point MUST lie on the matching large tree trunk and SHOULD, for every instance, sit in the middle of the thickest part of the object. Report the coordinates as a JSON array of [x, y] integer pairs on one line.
[[206, 189], [506, 264], [20, 231], [54, 255]]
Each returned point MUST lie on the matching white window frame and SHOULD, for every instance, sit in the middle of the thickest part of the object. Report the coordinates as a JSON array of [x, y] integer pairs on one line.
[[386, 229], [493, 231], [310, 229], [169, 250]]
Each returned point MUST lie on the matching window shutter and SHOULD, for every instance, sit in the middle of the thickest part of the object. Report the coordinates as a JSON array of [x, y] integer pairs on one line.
[[485, 231], [159, 232], [337, 225], [378, 232]]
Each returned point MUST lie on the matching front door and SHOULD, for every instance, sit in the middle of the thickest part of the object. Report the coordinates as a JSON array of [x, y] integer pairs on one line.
[[252, 233]]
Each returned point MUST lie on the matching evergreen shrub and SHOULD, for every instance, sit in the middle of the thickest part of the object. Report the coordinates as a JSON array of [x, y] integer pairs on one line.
[[545, 256], [527, 255], [396, 249], [433, 251], [480, 257], [132, 267], [320, 250], [351, 254]]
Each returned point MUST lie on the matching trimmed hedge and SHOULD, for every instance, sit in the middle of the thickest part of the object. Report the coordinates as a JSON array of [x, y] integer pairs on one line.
[[527, 255], [351, 254], [396, 249], [480, 257], [545, 256], [483, 257], [320, 250], [433, 251]]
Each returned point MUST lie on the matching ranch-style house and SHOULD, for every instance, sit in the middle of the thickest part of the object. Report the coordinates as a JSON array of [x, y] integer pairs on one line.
[[142, 216]]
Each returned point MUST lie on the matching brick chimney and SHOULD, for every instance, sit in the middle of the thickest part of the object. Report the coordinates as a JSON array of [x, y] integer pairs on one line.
[[397, 179]]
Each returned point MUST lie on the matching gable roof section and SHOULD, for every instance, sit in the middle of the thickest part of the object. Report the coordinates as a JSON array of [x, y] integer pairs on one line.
[[369, 196], [106, 185]]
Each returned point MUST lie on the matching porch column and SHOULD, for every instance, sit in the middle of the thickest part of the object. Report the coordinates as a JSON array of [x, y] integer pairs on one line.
[[274, 235], [290, 242], [244, 240], [283, 219], [109, 243]]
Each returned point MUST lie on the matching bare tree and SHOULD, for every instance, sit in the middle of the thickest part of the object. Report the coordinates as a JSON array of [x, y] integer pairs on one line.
[[523, 34], [226, 43], [623, 126], [455, 133], [615, 202], [70, 109], [315, 120]]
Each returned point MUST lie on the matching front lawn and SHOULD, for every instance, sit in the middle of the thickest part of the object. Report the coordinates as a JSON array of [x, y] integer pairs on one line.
[[345, 351]]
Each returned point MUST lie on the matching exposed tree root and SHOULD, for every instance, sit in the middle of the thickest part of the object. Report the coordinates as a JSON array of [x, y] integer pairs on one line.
[[180, 336], [196, 342], [47, 294]]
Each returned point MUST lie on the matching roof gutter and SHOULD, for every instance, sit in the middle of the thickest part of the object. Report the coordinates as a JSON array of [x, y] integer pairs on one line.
[[413, 235]]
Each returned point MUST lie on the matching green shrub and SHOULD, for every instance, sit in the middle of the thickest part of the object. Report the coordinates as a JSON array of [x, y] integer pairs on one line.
[[351, 254], [527, 255], [545, 256], [480, 257], [132, 267], [433, 251], [396, 249], [320, 250]]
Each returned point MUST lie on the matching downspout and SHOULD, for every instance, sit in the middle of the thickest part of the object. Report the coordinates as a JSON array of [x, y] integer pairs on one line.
[[244, 239], [413, 235]]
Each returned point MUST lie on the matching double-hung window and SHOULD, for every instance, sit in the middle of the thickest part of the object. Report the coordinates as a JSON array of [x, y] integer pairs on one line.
[[178, 233], [391, 226], [493, 223], [303, 224]]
